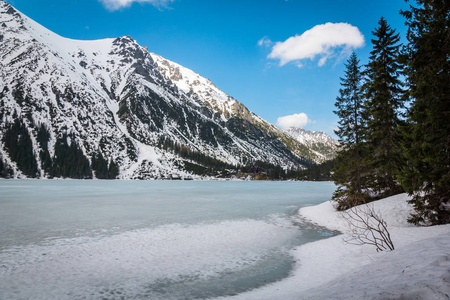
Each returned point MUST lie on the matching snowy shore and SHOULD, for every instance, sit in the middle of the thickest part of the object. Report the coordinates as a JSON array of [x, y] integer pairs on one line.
[[418, 268]]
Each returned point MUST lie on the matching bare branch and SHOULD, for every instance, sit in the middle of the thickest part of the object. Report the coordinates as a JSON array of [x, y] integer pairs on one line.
[[367, 227]]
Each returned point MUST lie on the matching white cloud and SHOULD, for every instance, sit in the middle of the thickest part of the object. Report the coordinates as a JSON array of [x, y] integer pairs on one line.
[[117, 4], [265, 41], [296, 120], [325, 40]]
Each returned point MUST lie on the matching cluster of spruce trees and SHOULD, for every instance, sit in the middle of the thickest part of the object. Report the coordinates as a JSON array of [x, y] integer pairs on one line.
[[195, 161], [204, 165], [317, 172], [68, 160], [19, 145], [394, 114]]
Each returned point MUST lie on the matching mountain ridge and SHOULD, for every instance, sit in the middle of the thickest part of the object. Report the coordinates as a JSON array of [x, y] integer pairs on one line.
[[116, 104], [318, 141]]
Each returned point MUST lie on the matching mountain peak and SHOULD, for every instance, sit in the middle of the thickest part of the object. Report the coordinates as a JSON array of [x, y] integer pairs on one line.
[[117, 110], [303, 132], [318, 141], [7, 8], [8, 15]]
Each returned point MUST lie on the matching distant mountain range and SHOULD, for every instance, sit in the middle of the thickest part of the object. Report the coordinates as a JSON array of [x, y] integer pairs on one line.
[[111, 109], [323, 145]]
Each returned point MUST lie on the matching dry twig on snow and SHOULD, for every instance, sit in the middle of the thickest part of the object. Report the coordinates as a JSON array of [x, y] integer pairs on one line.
[[367, 227]]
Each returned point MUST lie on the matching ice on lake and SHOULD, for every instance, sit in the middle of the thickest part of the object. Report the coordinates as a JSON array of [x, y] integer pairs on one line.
[[70, 239]]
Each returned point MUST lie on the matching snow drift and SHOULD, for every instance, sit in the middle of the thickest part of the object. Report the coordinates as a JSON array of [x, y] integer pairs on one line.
[[419, 268]]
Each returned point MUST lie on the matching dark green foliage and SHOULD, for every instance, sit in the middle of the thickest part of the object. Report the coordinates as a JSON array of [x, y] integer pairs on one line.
[[427, 136], [100, 166], [43, 137], [383, 93], [5, 170], [20, 148], [423, 168], [195, 161], [201, 164], [317, 172], [46, 161], [260, 170], [69, 160], [198, 169], [113, 170], [345, 172], [349, 166], [131, 149], [103, 169]]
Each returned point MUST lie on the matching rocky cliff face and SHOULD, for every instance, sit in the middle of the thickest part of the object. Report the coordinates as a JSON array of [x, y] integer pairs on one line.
[[109, 108], [320, 143]]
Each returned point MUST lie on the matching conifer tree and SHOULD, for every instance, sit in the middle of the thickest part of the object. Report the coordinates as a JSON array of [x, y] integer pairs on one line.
[[348, 170], [20, 148], [102, 169], [69, 160], [113, 170], [2, 167], [384, 97], [100, 166], [427, 146], [43, 137]]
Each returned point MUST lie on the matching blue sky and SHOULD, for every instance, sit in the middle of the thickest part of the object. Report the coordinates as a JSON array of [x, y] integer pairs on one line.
[[234, 44]]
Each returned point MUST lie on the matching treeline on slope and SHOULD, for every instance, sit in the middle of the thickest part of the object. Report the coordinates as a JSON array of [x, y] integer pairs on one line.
[[20, 147], [394, 134], [204, 165], [195, 161], [259, 170], [317, 172], [68, 160]]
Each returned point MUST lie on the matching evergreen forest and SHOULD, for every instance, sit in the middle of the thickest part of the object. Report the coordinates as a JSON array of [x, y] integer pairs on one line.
[[394, 115]]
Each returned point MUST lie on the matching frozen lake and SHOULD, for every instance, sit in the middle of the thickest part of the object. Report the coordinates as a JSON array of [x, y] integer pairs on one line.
[[72, 239]]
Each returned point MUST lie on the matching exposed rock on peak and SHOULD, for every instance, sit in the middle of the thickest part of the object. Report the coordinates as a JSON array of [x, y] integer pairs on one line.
[[117, 108], [321, 143]]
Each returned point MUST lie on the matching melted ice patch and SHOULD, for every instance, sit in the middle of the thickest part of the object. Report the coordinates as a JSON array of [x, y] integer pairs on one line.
[[172, 261]]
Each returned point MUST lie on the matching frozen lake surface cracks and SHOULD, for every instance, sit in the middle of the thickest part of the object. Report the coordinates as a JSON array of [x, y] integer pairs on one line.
[[72, 239]]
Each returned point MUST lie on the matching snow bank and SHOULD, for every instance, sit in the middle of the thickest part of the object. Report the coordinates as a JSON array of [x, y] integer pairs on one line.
[[395, 211], [419, 268]]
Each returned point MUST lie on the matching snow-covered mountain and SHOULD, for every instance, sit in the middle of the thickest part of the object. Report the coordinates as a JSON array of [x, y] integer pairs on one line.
[[109, 107], [323, 145]]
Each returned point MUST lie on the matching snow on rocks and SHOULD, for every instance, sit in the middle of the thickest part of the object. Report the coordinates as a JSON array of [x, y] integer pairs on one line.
[[117, 99]]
